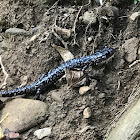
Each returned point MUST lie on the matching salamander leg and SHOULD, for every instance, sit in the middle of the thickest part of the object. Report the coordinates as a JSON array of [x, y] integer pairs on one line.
[[80, 68], [43, 75], [38, 95], [84, 68]]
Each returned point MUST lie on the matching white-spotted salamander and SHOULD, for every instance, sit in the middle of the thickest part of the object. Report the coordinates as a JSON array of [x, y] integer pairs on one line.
[[51, 77]]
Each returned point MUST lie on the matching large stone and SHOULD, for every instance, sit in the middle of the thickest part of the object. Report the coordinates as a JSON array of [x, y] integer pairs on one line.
[[23, 114], [131, 47], [127, 128]]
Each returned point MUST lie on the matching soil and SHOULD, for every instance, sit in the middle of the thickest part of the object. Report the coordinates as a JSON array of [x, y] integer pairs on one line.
[[116, 81]]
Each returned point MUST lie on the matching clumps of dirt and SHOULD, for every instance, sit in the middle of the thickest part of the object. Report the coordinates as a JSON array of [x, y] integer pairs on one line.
[[33, 55]]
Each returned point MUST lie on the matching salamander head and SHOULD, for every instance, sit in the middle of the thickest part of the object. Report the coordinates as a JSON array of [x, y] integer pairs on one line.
[[107, 52], [102, 55]]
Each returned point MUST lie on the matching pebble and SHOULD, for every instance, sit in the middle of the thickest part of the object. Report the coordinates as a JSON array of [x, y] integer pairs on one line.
[[23, 114], [34, 37], [16, 31], [56, 95], [86, 113], [84, 90], [35, 29], [101, 95], [33, 51], [89, 17], [131, 47], [24, 80], [90, 39], [41, 133]]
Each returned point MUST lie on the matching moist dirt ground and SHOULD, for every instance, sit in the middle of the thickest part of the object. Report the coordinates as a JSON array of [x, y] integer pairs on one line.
[[25, 58]]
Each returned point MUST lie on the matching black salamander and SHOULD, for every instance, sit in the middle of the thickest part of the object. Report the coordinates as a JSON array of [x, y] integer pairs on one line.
[[51, 77]]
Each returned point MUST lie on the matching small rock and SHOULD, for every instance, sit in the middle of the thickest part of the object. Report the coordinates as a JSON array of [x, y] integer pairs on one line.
[[56, 95], [101, 95], [35, 29], [80, 18], [86, 113], [24, 80], [89, 39], [134, 15], [84, 90], [23, 114], [34, 37], [131, 47], [89, 17], [16, 31], [40, 133], [33, 51]]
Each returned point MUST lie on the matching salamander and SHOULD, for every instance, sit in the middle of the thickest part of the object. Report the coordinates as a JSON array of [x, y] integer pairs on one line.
[[52, 76]]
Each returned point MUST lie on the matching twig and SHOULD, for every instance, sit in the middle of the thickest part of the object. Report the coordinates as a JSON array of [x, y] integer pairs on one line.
[[134, 63], [4, 118], [123, 17], [65, 32], [113, 36], [44, 39], [119, 83], [21, 16], [5, 73], [74, 25], [52, 6], [86, 31], [58, 37]]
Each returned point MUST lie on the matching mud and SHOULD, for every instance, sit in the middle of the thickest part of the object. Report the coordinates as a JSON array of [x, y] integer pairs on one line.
[[116, 81]]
